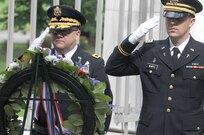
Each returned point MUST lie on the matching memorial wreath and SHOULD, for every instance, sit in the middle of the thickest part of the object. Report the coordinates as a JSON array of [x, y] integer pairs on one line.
[[15, 103]]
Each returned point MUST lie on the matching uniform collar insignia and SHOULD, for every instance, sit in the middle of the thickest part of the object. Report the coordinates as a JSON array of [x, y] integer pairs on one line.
[[188, 55], [154, 60], [192, 49], [163, 47]]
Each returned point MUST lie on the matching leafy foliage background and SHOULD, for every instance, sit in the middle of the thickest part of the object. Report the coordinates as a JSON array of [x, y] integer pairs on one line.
[[22, 15]]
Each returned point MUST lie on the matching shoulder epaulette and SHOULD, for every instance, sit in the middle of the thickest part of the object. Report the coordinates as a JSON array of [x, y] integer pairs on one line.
[[149, 41], [96, 56]]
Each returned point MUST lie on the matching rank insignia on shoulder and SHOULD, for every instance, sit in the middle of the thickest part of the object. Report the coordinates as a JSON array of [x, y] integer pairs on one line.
[[96, 56], [149, 41]]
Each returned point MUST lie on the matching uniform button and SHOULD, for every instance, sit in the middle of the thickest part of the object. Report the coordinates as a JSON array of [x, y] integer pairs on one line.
[[150, 71], [194, 77], [171, 87], [168, 110], [172, 75], [198, 128], [169, 98]]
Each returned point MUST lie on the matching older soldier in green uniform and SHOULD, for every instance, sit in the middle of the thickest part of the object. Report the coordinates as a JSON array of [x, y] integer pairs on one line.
[[172, 79], [65, 28]]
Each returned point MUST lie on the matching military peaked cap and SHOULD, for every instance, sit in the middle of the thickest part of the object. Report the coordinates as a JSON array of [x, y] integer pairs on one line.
[[62, 17], [180, 8]]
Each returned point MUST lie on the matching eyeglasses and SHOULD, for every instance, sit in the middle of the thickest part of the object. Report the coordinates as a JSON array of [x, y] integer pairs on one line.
[[63, 32]]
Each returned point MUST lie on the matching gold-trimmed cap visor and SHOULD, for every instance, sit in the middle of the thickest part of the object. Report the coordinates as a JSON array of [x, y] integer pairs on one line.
[[63, 23], [172, 14]]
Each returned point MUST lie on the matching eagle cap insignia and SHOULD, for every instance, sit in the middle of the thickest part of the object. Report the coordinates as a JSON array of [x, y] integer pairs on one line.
[[174, 1], [57, 11]]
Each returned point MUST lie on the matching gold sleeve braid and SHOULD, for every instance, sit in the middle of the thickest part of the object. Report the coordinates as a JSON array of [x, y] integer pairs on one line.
[[122, 51]]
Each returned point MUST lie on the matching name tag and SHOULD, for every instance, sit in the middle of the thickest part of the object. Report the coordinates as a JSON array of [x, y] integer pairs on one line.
[[152, 66]]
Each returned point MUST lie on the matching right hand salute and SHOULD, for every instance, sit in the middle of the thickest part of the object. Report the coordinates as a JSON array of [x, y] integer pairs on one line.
[[143, 29], [39, 40]]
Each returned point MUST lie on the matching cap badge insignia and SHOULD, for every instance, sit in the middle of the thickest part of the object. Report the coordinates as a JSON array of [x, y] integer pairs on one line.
[[57, 11], [174, 1]]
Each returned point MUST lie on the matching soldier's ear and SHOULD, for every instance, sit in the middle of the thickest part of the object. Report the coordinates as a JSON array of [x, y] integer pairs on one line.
[[192, 22]]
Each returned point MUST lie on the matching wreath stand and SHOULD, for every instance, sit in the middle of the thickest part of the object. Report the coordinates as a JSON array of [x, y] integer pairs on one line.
[[47, 73]]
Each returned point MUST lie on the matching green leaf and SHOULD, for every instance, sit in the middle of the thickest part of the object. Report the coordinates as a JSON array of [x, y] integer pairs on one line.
[[66, 67], [74, 122], [24, 91], [12, 128], [16, 106], [68, 125], [9, 111], [99, 87], [102, 108], [15, 95], [21, 104], [102, 98], [76, 119], [88, 84], [17, 123], [73, 106]]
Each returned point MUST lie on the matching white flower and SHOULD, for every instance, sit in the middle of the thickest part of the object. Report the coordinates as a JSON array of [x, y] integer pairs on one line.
[[2, 78], [51, 58], [13, 66], [68, 60]]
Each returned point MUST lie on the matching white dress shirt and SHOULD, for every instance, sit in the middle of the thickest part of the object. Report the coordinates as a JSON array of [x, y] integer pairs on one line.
[[180, 47]]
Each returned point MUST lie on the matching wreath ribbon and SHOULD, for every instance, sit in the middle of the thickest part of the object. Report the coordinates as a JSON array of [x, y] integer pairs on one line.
[[53, 129]]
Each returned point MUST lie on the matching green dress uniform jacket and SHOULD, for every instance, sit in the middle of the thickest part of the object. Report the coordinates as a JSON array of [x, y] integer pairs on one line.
[[173, 95]]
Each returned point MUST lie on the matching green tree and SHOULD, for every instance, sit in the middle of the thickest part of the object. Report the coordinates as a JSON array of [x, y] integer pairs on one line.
[[22, 16]]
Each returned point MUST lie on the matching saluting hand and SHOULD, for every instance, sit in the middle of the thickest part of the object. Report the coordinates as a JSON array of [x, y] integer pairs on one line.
[[143, 29], [39, 40]]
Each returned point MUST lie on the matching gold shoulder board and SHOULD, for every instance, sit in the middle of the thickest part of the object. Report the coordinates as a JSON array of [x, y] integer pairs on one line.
[[96, 56], [149, 41]]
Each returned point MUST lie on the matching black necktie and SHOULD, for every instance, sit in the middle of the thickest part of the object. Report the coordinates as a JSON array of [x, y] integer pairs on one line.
[[175, 55]]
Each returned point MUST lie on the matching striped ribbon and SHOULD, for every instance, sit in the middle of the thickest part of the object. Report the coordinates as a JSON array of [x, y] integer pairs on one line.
[[197, 67], [53, 129]]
